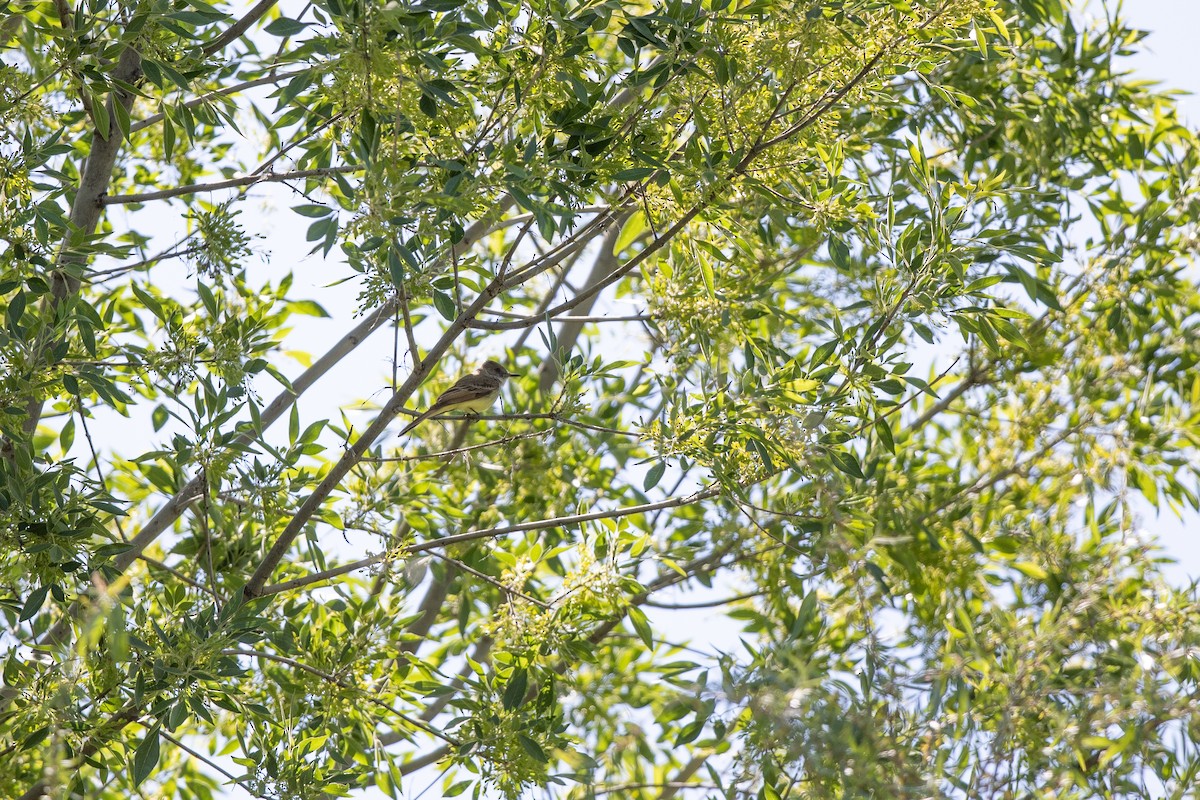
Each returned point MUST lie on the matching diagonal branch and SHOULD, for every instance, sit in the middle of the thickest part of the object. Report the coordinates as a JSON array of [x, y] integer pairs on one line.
[[489, 533], [336, 681], [235, 31], [231, 183], [274, 77]]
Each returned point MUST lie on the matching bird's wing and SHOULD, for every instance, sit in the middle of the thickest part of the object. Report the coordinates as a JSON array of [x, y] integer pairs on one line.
[[464, 391], [468, 388]]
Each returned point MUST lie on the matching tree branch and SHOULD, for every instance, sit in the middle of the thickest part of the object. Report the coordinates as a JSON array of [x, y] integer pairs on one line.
[[154, 119], [486, 533], [86, 208], [336, 681], [235, 31], [560, 522], [244, 180], [568, 331]]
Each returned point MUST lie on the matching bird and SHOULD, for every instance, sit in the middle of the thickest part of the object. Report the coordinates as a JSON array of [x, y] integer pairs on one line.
[[474, 392]]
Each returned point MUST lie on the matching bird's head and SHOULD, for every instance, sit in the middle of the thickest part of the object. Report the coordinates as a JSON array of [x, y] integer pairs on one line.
[[495, 370]]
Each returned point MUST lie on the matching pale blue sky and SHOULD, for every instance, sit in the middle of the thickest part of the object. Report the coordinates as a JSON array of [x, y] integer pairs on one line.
[[1171, 55]]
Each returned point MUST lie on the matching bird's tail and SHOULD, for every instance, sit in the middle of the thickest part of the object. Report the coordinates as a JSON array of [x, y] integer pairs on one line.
[[420, 418]]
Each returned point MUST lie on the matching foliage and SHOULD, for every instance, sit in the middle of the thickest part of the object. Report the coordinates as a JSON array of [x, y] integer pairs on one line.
[[914, 348]]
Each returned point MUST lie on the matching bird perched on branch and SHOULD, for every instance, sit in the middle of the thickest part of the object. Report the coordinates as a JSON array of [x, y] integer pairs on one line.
[[474, 392]]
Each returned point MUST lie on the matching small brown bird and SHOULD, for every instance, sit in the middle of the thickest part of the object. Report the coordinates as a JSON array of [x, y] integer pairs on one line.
[[474, 392]]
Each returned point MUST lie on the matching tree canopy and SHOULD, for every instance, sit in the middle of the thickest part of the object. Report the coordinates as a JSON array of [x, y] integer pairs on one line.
[[864, 328]]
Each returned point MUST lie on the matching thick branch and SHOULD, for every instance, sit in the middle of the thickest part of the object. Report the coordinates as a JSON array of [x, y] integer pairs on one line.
[[234, 31], [568, 332], [87, 206], [359, 449]]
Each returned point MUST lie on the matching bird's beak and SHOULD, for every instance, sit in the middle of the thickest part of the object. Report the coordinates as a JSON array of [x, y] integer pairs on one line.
[[512, 374]]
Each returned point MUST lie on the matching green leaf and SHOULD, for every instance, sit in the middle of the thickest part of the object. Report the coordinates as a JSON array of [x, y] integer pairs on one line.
[[456, 789], [839, 253], [530, 746], [1030, 570], [641, 625], [284, 27], [706, 272], [395, 268], [66, 437], [630, 231], [634, 174], [654, 475], [444, 305], [145, 758], [822, 353], [516, 689], [149, 302], [16, 307], [168, 134], [33, 603], [208, 298], [983, 283], [37, 737], [309, 308], [321, 229], [100, 114], [846, 462], [884, 431], [692, 731]]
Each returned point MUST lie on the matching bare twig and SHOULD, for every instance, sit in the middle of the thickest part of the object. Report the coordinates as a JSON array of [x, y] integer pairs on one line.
[[489, 579], [323, 575], [724, 601], [335, 680], [208, 762], [460, 450], [485, 533], [244, 180], [560, 522], [274, 77]]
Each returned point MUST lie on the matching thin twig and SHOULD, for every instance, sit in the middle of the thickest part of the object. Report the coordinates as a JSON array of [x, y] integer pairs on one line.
[[560, 522], [724, 601], [489, 579], [96, 276], [460, 450], [414, 354], [486, 533], [335, 680], [244, 180], [87, 433], [228, 90], [263, 168], [195, 584], [323, 575], [207, 762]]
